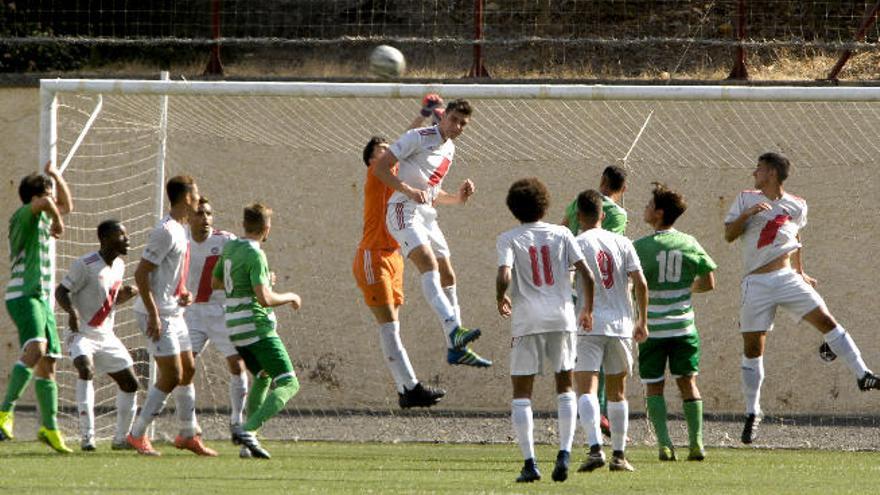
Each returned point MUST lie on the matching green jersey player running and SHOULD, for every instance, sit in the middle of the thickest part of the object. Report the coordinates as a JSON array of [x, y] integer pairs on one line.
[[675, 266], [243, 273], [27, 300]]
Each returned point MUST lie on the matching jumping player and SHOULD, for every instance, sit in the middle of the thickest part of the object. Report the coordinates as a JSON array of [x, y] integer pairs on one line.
[[767, 220]]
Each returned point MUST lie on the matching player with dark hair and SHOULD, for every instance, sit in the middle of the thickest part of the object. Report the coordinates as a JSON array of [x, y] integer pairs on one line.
[[533, 261], [27, 300], [205, 320], [90, 293], [161, 280], [425, 156], [378, 270], [607, 344], [675, 266], [767, 220]]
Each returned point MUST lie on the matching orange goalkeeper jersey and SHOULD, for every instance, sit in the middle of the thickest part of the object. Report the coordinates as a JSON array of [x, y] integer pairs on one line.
[[376, 195]]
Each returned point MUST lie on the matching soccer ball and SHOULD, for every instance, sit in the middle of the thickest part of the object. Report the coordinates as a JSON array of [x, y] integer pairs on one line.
[[387, 61]]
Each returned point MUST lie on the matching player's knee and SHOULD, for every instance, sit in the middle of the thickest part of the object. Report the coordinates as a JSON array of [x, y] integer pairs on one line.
[[86, 372], [288, 384], [128, 386]]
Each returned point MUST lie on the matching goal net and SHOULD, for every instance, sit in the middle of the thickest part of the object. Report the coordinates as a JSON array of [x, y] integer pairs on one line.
[[297, 147]]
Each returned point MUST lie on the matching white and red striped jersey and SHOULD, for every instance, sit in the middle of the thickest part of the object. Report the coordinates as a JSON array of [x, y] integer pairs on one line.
[[167, 248], [771, 233], [424, 159], [202, 258], [539, 255], [93, 287]]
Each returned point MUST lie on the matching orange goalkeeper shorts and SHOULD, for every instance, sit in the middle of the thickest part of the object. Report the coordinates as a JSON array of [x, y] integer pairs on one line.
[[379, 274]]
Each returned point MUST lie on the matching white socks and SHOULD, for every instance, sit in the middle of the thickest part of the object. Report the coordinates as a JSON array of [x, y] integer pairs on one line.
[[567, 414], [588, 407], [85, 406], [618, 416], [438, 301], [238, 385], [752, 378], [395, 356], [152, 407], [126, 406], [842, 344], [452, 295], [523, 425], [185, 399]]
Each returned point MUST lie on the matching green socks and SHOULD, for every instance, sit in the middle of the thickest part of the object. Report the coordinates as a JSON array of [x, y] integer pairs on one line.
[[693, 413], [600, 393], [47, 398], [257, 394], [285, 388], [19, 378], [657, 414]]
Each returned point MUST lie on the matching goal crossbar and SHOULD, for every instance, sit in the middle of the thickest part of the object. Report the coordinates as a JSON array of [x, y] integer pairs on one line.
[[482, 91]]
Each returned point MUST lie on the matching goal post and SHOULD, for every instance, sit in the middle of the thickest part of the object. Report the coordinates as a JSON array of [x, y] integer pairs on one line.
[[297, 147]]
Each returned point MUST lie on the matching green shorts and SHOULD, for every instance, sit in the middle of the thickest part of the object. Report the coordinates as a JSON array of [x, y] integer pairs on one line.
[[267, 354], [682, 353], [35, 322]]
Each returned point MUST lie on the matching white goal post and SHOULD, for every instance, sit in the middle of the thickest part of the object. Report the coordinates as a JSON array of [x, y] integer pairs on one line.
[[297, 147]]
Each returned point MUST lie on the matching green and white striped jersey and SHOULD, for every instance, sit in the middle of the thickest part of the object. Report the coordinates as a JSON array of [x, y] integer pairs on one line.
[[243, 266], [671, 260], [31, 273]]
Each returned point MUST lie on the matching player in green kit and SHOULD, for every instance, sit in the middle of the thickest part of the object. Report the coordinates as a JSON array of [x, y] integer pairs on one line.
[[243, 273], [611, 186], [675, 266], [27, 300]]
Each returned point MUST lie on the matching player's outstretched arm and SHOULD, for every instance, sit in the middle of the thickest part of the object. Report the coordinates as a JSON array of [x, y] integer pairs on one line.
[[65, 199], [268, 298], [502, 282], [585, 319], [432, 107], [704, 283], [62, 297], [465, 191], [640, 287]]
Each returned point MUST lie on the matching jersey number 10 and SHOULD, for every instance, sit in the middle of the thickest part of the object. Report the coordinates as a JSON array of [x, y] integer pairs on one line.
[[669, 266]]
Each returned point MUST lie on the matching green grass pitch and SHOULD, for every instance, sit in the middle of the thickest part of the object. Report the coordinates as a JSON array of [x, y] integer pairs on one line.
[[311, 467]]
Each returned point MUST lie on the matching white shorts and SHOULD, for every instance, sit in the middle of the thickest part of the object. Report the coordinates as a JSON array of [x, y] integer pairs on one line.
[[413, 225], [613, 354], [173, 339], [208, 326], [763, 292], [529, 352], [105, 350]]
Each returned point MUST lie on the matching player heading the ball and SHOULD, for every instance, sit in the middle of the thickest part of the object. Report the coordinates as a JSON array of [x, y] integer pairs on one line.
[[425, 156]]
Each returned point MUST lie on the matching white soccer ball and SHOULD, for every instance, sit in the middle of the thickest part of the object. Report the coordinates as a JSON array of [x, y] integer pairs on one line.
[[387, 61]]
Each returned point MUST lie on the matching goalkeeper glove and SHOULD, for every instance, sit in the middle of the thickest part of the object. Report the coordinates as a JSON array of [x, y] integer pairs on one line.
[[430, 103]]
